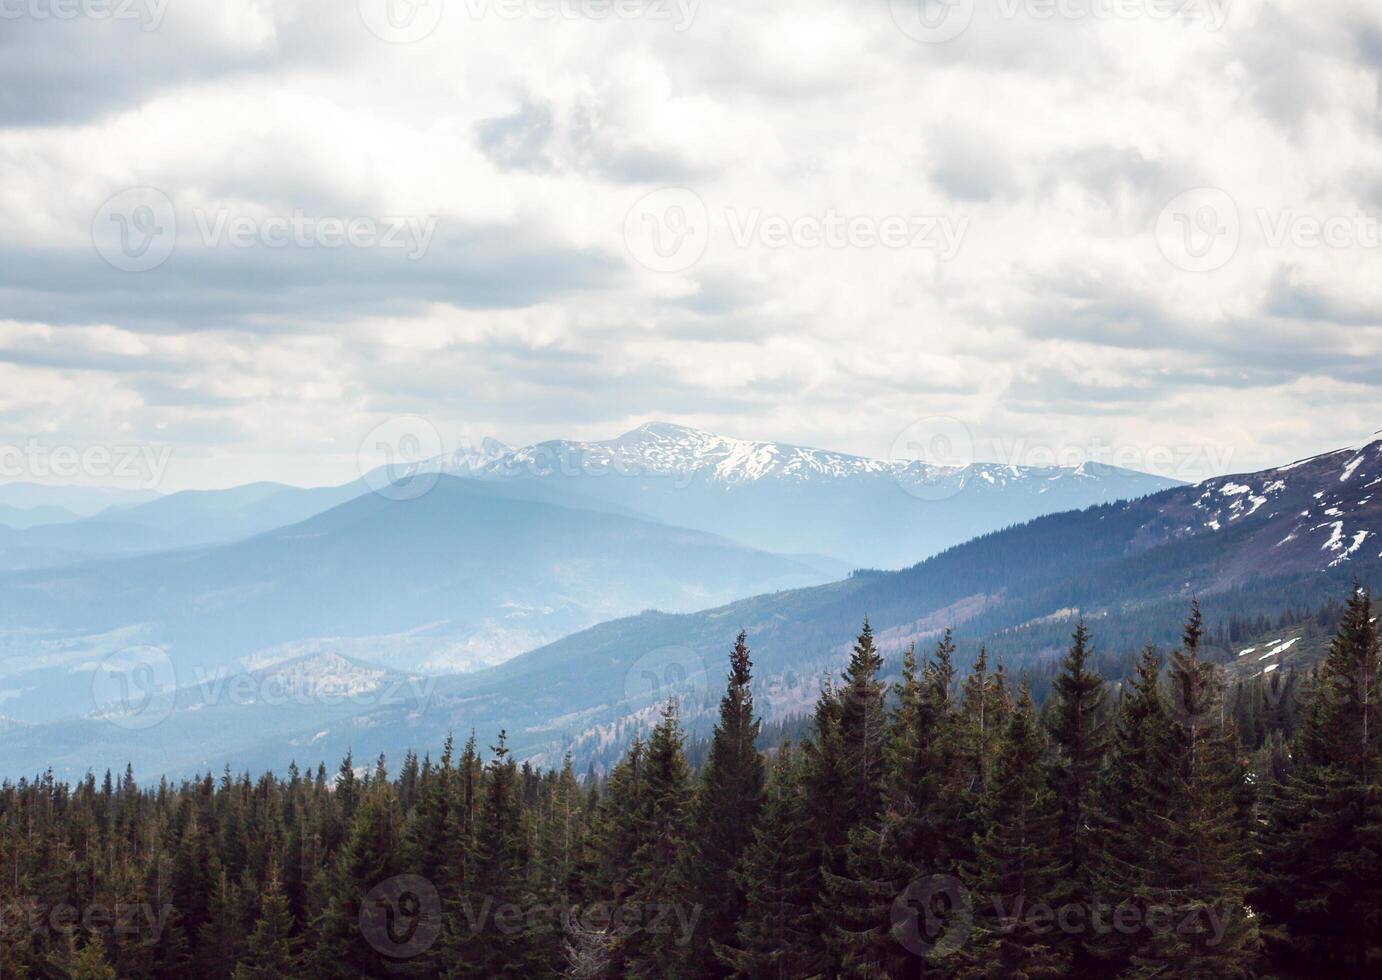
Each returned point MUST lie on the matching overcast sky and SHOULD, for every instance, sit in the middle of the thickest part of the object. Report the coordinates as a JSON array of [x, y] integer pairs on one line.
[[252, 231]]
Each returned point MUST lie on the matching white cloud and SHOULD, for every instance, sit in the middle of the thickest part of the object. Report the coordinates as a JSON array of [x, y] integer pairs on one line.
[[1045, 146]]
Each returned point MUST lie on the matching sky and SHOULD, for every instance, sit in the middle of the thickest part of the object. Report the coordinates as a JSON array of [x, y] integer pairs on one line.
[[252, 236]]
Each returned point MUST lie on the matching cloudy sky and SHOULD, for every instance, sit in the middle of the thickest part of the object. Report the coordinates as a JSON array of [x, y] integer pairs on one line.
[[252, 231]]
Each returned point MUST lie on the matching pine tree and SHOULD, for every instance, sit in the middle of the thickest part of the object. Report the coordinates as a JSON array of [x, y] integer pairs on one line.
[[1019, 858], [725, 813], [1197, 836], [860, 738], [653, 955], [775, 937], [914, 836], [1131, 786], [370, 857], [489, 926], [271, 950], [982, 706], [1078, 731], [1321, 857], [828, 815], [90, 963], [621, 823]]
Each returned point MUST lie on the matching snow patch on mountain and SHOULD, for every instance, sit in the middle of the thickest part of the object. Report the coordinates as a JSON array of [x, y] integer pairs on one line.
[[663, 449]]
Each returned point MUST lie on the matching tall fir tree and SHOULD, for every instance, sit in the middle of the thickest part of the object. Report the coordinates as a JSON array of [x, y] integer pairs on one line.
[[369, 858], [725, 814], [1320, 861], [775, 938], [271, 949], [652, 949], [1077, 727], [490, 933], [861, 740], [1131, 786], [1019, 859], [1197, 840]]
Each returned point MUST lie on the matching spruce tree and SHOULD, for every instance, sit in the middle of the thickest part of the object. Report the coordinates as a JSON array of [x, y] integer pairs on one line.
[[1320, 861], [725, 814], [861, 739], [774, 938], [1132, 785], [652, 948], [1078, 731], [369, 858], [1197, 836], [271, 950], [828, 816], [914, 835], [1019, 859], [489, 930]]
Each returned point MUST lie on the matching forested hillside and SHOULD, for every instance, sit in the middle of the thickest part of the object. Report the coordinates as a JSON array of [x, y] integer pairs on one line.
[[946, 825]]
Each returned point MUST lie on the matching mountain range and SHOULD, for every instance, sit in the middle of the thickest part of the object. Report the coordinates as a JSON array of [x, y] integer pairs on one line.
[[882, 513], [768, 496], [466, 574], [1292, 536]]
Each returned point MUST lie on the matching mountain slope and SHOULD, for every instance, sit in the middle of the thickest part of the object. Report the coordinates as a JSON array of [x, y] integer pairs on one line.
[[179, 520], [1291, 536], [466, 574], [1130, 568], [21, 518], [791, 499]]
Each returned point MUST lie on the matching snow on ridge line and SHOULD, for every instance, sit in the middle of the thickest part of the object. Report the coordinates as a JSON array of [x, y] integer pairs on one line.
[[660, 448]]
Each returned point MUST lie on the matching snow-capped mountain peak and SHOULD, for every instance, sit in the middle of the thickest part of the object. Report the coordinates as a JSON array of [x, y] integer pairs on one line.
[[665, 449], [799, 500], [469, 457], [1319, 512]]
